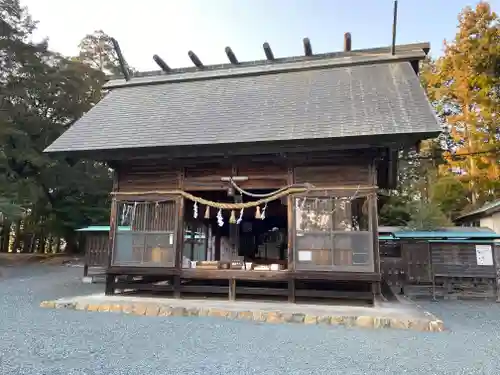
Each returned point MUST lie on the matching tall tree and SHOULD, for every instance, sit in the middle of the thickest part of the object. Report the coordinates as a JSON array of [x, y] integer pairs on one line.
[[97, 51], [16, 50], [464, 84], [43, 93]]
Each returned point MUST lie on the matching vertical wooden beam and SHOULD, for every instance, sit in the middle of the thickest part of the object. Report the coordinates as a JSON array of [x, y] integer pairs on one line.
[[193, 238], [86, 247], [347, 42], [217, 243], [268, 51], [210, 248], [121, 59], [109, 287], [291, 289], [231, 56], [161, 63], [307, 47], [291, 222], [232, 289], [85, 269], [195, 59], [206, 232], [179, 233], [291, 237], [235, 230], [373, 212], [179, 227], [110, 279], [431, 271], [496, 262], [112, 218]]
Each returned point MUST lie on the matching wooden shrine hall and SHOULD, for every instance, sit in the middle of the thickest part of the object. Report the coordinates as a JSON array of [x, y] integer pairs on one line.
[[254, 178]]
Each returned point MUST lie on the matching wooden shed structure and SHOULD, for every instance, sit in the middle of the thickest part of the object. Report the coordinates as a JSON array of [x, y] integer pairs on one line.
[[272, 167], [94, 240], [460, 262]]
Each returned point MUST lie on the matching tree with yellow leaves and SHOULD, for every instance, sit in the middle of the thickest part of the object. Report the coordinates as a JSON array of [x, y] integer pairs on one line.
[[464, 85]]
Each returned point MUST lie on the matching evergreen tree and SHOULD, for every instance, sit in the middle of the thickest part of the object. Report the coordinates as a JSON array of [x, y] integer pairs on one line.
[[43, 93]]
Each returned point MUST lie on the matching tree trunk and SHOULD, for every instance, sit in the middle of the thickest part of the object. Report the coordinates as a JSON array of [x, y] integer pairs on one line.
[[41, 243], [17, 237], [4, 245], [51, 244], [71, 243], [27, 242], [58, 245]]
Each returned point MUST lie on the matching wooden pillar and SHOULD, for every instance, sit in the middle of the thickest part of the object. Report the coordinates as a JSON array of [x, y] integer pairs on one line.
[[112, 219], [217, 243], [85, 269], [109, 288], [496, 262], [347, 42], [431, 271], [85, 244], [291, 289], [193, 238], [373, 212], [291, 239], [206, 232], [179, 236], [110, 279], [291, 223], [232, 289]]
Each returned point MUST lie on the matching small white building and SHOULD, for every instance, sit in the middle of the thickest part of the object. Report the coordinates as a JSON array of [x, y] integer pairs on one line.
[[487, 216]]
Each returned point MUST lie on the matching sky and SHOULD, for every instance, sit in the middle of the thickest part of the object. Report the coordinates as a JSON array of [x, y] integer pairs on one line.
[[170, 28]]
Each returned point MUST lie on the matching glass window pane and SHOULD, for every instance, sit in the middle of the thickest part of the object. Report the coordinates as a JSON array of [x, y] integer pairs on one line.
[[333, 233], [360, 258], [145, 234], [313, 215]]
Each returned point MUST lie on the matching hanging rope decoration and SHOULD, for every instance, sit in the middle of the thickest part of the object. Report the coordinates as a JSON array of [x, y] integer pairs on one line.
[[324, 207], [343, 201], [222, 205], [264, 199], [232, 218], [240, 219], [195, 210], [257, 213], [220, 219], [263, 215]]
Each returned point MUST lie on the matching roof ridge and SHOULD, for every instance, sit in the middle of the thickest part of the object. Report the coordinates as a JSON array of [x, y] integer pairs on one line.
[[412, 52], [279, 60]]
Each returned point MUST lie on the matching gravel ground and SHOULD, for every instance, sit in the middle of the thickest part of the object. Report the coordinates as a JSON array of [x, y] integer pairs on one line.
[[42, 341]]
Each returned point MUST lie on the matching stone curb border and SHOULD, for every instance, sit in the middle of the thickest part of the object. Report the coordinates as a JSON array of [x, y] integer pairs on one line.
[[154, 309]]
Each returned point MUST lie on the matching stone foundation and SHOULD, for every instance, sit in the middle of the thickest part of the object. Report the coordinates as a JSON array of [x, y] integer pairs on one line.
[[426, 322]]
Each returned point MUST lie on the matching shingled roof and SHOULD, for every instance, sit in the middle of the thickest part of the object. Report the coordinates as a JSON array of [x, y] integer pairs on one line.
[[357, 93]]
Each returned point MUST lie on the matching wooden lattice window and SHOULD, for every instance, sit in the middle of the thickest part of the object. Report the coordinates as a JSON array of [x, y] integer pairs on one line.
[[146, 234], [333, 233]]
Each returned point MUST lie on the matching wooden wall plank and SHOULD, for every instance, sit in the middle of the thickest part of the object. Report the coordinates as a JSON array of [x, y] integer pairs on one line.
[[272, 174], [331, 175], [144, 177]]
